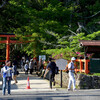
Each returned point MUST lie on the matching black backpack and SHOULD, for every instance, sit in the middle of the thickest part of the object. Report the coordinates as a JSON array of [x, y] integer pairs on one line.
[[56, 70]]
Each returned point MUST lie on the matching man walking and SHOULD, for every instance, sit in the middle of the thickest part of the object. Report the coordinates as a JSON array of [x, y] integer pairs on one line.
[[71, 74], [51, 67]]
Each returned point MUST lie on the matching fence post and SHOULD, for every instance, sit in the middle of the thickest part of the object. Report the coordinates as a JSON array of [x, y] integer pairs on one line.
[[86, 66], [81, 66], [61, 78]]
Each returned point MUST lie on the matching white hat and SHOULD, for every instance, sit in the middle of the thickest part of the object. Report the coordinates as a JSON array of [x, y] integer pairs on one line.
[[73, 58], [31, 60], [27, 61]]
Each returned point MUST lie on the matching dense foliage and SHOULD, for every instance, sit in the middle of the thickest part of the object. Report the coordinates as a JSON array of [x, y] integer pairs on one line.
[[52, 26]]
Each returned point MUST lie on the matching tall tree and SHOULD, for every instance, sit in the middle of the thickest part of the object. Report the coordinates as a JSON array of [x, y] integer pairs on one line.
[[47, 22]]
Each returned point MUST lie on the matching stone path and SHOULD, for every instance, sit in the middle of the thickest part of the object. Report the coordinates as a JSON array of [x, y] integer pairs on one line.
[[36, 83]]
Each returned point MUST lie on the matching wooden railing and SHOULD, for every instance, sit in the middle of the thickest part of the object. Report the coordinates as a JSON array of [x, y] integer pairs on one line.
[[81, 66]]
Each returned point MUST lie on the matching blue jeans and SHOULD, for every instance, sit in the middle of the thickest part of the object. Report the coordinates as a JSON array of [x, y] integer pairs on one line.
[[4, 85]]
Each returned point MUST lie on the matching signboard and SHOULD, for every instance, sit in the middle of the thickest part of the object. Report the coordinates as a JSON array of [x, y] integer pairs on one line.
[[43, 57], [61, 63]]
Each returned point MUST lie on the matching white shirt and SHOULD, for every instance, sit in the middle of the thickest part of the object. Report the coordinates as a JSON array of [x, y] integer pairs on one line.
[[71, 66], [31, 64], [26, 66], [7, 71]]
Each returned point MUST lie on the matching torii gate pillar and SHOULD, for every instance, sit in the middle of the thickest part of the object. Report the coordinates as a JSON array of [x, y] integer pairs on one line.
[[7, 48], [7, 42]]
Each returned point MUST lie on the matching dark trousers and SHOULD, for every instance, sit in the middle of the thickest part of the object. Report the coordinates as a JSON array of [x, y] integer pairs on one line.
[[31, 70], [51, 79], [26, 71]]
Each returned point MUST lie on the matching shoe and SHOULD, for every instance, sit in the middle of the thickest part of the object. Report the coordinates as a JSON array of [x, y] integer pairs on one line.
[[3, 94], [68, 89], [54, 84]]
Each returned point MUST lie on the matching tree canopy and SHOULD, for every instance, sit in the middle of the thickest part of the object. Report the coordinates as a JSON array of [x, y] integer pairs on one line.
[[51, 25]]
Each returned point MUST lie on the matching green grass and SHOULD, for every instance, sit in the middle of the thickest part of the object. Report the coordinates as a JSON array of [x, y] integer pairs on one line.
[[91, 74], [96, 74]]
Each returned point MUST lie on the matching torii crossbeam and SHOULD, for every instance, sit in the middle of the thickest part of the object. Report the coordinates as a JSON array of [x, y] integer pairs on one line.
[[7, 42]]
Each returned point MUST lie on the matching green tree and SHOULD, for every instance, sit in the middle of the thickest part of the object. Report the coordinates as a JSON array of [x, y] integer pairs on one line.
[[50, 24]]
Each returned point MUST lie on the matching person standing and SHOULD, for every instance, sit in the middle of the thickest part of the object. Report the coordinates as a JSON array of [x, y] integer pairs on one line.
[[31, 65], [22, 63], [51, 67], [2, 72], [71, 74], [26, 67], [7, 74], [35, 65], [14, 72]]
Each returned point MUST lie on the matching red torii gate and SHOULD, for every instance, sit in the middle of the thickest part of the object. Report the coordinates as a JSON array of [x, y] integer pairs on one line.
[[7, 42]]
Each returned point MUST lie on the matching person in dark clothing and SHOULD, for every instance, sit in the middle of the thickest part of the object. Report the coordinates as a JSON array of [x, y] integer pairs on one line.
[[31, 65], [14, 72], [51, 67]]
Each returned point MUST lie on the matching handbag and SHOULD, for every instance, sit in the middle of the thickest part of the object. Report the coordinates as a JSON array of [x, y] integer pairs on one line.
[[8, 78], [17, 72], [66, 69]]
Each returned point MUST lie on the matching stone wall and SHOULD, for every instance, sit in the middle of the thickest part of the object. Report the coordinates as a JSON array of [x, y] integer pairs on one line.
[[82, 81]]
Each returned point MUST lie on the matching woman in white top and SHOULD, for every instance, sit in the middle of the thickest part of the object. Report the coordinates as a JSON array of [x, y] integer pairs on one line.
[[7, 77]]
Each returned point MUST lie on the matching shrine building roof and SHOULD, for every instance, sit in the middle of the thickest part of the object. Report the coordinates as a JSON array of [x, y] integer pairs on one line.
[[89, 42]]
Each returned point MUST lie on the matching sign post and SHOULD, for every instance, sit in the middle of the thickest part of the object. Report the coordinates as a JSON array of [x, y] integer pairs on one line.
[[61, 79], [61, 63]]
